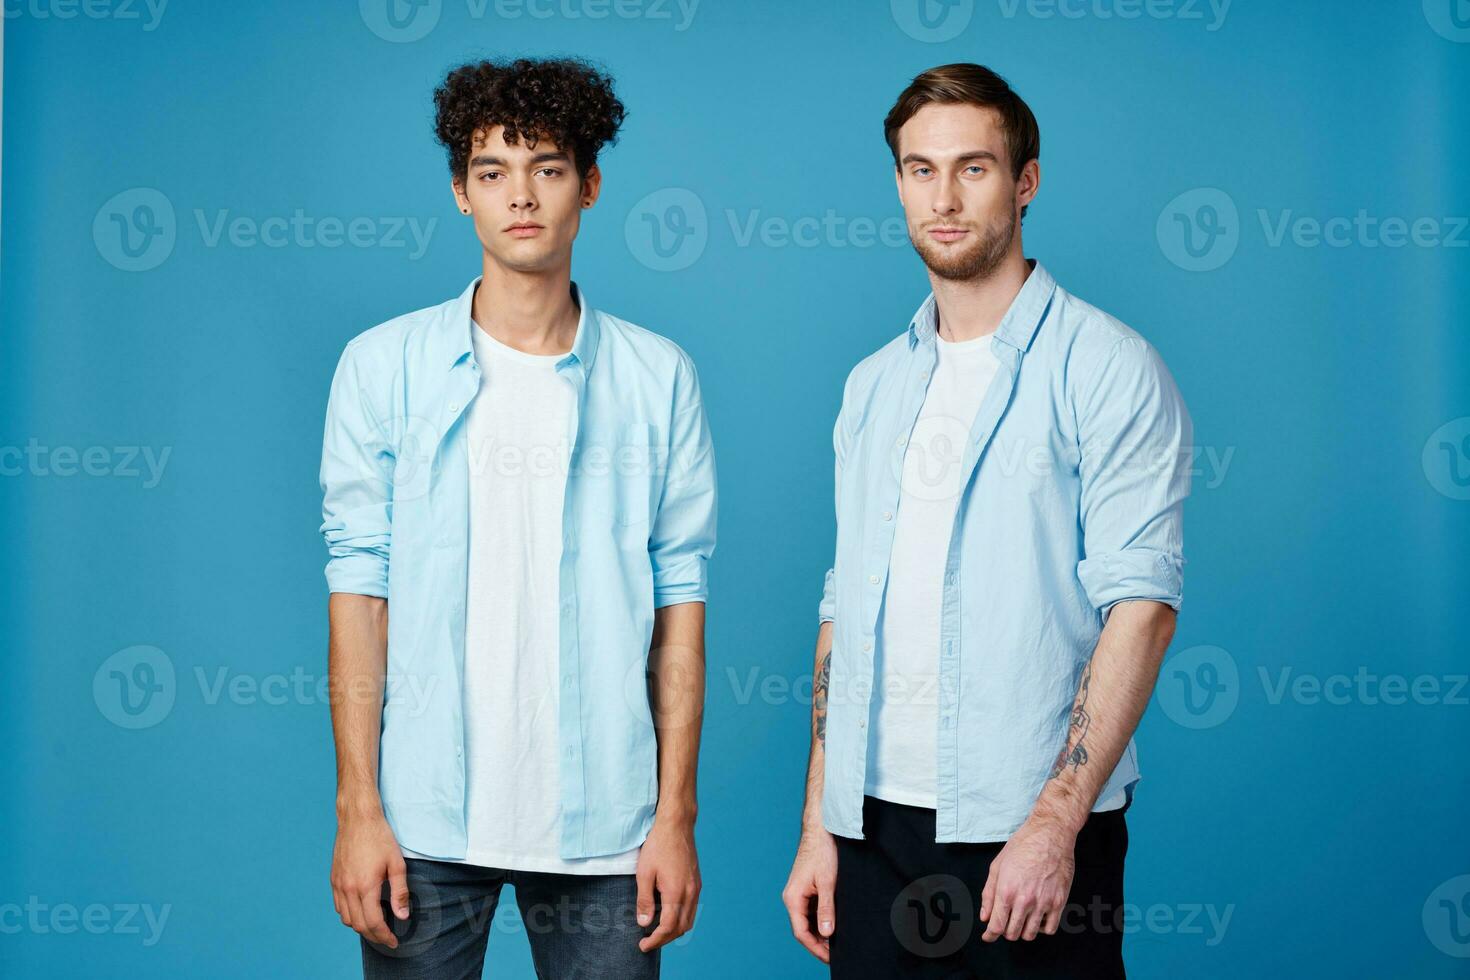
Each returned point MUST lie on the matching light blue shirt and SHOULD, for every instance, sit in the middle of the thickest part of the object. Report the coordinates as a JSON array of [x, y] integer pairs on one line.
[[1073, 482], [638, 528]]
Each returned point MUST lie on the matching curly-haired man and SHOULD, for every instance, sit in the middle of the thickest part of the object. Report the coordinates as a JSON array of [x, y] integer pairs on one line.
[[527, 484]]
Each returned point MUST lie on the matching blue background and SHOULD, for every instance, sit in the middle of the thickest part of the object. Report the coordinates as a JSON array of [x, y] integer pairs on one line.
[[1329, 832]]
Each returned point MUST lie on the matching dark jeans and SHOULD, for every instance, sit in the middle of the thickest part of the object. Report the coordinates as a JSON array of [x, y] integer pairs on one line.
[[908, 907], [580, 926]]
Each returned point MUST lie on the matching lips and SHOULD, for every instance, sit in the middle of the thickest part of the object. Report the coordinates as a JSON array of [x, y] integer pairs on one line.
[[947, 234], [523, 230]]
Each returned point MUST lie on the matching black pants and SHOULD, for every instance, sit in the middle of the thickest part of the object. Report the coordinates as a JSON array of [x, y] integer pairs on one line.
[[908, 907]]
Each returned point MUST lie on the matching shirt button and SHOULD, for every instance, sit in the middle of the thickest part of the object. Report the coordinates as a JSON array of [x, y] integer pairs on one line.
[[867, 645], [872, 579], [898, 441], [923, 375], [862, 723], [888, 515], [453, 407]]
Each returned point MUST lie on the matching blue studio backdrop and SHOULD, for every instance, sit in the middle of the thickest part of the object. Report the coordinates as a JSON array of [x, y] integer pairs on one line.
[[202, 202]]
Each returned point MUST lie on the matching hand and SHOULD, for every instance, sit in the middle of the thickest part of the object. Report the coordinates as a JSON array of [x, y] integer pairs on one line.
[[813, 874], [1029, 882], [366, 854], [668, 865]]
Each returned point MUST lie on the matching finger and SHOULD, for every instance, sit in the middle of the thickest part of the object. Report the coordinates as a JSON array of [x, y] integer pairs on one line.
[[1016, 918], [826, 906], [798, 907], [343, 907], [690, 908], [1033, 925], [645, 898], [668, 917], [398, 889], [371, 924], [995, 926], [987, 896], [1051, 921]]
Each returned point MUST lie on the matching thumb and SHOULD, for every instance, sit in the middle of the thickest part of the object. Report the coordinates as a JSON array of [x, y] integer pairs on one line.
[[645, 898], [398, 891], [826, 907]]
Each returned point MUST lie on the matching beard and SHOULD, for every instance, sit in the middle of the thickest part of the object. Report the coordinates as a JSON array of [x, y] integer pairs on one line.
[[978, 260]]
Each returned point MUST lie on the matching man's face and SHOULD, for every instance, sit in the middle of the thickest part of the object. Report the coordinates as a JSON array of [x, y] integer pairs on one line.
[[954, 179], [527, 203]]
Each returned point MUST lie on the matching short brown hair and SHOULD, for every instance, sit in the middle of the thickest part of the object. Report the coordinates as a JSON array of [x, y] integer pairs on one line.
[[969, 84]]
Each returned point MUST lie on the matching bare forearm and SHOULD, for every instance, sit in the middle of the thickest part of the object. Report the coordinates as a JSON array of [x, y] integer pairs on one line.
[[357, 662], [811, 814], [676, 697], [1111, 697]]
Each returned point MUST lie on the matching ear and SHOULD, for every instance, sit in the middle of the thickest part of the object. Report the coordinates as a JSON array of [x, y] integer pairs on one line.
[[898, 182], [1029, 183], [456, 186], [591, 187]]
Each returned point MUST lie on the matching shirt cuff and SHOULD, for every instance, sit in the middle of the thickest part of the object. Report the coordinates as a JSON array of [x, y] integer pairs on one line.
[[358, 573], [1135, 573], [684, 581]]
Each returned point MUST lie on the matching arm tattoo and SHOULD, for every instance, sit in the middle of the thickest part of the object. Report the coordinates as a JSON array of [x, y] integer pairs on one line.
[[1074, 753], [819, 697]]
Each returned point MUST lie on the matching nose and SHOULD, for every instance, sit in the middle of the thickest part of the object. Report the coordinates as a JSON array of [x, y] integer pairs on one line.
[[946, 200], [522, 199]]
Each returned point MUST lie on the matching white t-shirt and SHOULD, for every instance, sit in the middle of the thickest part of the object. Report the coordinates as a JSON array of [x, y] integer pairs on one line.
[[903, 739], [905, 703], [518, 428]]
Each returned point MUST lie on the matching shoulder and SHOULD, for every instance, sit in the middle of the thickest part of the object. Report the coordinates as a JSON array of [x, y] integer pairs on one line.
[[388, 344], [864, 376], [632, 345], [1088, 343]]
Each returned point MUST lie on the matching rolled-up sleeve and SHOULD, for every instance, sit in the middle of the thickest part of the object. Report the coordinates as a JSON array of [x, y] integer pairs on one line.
[[357, 486], [682, 537], [1135, 437]]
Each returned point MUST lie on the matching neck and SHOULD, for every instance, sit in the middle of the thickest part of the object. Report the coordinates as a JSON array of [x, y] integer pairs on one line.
[[974, 307], [530, 311]]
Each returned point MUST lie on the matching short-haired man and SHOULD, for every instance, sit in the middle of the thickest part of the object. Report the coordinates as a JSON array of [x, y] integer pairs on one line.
[[519, 507], [1010, 477]]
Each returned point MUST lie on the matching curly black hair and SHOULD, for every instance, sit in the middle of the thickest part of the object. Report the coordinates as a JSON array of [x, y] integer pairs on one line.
[[564, 100]]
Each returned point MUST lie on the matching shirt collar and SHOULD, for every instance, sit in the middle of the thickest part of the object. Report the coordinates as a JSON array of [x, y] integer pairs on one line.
[[459, 342], [1017, 327]]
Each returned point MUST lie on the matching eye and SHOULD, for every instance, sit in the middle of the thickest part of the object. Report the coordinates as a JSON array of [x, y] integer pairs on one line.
[[922, 171], [550, 171], [491, 175], [974, 168]]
